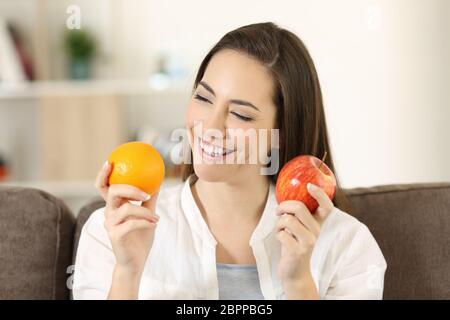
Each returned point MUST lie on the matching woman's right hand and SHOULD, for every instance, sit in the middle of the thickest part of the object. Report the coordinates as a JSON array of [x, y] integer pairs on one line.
[[130, 227]]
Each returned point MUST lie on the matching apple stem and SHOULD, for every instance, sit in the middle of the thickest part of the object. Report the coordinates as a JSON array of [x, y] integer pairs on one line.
[[323, 159]]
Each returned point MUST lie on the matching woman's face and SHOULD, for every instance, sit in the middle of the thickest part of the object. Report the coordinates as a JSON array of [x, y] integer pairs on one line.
[[230, 106]]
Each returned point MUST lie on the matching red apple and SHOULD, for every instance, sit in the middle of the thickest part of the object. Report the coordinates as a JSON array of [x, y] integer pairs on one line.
[[297, 173]]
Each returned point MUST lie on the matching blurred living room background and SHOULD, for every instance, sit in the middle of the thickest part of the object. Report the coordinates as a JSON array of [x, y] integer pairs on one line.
[[69, 96]]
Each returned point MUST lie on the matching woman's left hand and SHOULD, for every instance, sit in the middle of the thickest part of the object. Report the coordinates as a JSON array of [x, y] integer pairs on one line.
[[298, 230]]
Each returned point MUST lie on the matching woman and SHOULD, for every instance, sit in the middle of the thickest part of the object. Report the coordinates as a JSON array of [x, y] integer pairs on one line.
[[221, 234]]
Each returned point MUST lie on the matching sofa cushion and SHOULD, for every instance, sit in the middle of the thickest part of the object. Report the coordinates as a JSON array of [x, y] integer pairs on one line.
[[36, 241]]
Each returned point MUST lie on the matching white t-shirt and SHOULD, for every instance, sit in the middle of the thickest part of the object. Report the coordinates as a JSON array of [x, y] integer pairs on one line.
[[346, 262]]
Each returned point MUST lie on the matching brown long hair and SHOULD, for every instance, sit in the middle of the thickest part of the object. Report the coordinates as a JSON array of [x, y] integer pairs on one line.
[[297, 94]]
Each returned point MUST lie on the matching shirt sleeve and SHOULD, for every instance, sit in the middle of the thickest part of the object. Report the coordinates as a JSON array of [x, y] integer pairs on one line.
[[94, 261], [360, 273]]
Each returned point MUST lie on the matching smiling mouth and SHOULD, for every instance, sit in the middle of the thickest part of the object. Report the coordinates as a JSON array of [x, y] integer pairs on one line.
[[211, 150]]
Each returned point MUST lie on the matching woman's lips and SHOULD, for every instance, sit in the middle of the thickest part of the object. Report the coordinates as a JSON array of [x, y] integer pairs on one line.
[[212, 152]]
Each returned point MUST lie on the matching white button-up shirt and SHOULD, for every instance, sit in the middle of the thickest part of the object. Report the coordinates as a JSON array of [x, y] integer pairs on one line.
[[346, 262]]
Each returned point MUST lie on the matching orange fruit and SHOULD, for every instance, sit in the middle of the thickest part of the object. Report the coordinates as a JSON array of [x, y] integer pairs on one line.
[[137, 164]]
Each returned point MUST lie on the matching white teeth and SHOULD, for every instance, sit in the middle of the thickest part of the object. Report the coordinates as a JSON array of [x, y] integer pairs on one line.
[[218, 151], [211, 150]]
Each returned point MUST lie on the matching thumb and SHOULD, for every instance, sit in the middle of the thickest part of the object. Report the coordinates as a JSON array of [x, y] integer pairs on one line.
[[151, 203]]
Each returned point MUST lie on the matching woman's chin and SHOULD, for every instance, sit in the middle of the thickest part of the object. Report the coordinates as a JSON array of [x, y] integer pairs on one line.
[[212, 172]]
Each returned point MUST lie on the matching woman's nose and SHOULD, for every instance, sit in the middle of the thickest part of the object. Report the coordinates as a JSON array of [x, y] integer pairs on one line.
[[214, 123]]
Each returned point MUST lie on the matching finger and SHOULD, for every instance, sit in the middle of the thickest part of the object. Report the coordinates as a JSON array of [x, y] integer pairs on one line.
[[322, 198], [120, 193], [133, 225], [129, 211], [297, 229], [300, 211], [102, 179], [291, 223], [151, 203], [287, 240]]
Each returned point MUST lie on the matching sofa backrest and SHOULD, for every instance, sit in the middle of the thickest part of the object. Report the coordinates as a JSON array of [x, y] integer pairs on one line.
[[411, 224]]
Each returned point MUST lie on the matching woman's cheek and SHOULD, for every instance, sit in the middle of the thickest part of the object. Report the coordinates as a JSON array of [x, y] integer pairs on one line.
[[257, 145], [190, 116], [195, 113]]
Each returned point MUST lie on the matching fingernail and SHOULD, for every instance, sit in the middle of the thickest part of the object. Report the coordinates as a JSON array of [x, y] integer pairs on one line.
[[310, 186], [146, 196], [105, 164]]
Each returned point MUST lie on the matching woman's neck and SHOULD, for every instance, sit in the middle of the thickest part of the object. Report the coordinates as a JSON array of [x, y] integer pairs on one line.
[[232, 201]]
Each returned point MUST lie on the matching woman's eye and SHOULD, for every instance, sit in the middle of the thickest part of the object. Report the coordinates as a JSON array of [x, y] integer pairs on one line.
[[239, 116], [199, 97]]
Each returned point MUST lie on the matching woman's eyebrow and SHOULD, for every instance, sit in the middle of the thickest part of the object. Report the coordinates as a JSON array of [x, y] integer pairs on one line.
[[244, 103], [235, 101], [207, 87]]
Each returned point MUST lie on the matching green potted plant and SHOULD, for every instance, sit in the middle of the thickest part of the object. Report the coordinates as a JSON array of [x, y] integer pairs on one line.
[[80, 48]]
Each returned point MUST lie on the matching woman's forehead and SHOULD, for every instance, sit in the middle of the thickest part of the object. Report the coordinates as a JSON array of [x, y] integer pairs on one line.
[[233, 75]]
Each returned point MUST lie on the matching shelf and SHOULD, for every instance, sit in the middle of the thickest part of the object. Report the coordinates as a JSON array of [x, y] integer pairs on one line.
[[29, 90]]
